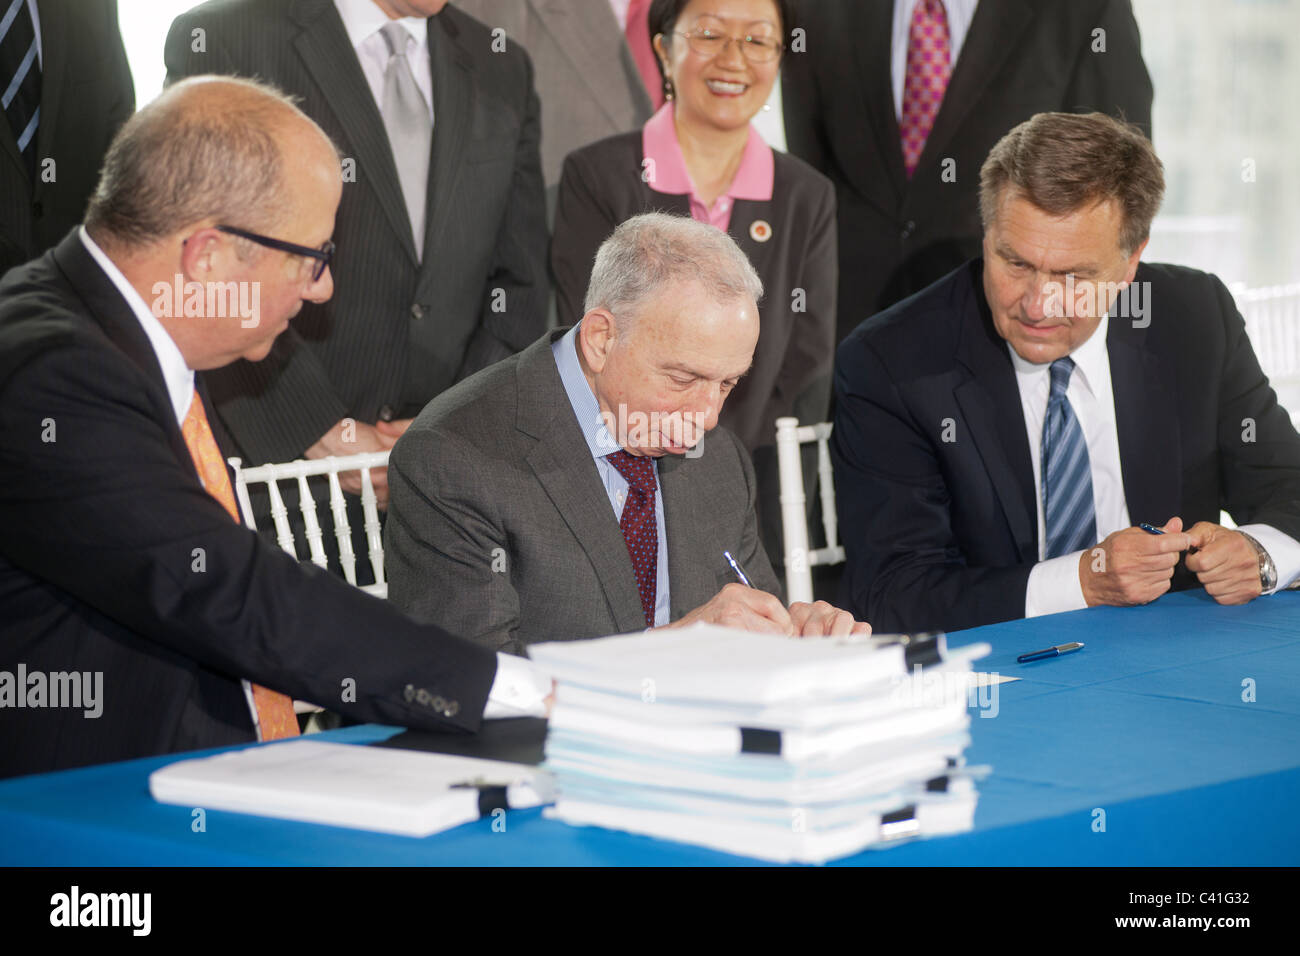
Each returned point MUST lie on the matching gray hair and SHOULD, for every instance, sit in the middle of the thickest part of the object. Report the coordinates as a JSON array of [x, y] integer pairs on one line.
[[649, 252], [206, 148]]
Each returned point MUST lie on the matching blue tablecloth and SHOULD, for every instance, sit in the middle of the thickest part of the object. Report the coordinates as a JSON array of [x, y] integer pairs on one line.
[[1178, 727]]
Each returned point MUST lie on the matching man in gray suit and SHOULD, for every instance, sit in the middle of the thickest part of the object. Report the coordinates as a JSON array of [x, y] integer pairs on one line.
[[586, 77], [569, 492]]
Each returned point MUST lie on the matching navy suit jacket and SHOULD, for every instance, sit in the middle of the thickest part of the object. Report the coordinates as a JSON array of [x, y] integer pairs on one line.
[[113, 559], [942, 534]]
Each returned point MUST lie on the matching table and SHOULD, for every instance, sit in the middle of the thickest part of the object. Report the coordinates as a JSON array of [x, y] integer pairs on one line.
[[1180, 721]]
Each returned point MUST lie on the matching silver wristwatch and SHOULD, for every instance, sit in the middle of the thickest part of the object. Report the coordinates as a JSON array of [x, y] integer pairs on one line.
[[1267, 570]]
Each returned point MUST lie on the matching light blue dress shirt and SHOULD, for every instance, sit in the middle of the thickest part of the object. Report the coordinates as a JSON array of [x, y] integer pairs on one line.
[[587, 411]]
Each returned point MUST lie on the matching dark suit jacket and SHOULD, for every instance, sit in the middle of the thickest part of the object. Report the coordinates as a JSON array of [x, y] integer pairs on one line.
[[943, 534], [499, 527], [1020, 57], [86, 95], [114, 559], [397, 331]]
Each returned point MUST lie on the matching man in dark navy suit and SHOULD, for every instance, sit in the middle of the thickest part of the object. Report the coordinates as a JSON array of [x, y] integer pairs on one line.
[[1001, 436]]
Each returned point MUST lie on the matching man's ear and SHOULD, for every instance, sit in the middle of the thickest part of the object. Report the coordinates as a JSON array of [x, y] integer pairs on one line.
[[596, 337], [199, 253], [1134, 257]]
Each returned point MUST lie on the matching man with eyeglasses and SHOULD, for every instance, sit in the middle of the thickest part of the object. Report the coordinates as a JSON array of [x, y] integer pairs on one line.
[[123, 568]]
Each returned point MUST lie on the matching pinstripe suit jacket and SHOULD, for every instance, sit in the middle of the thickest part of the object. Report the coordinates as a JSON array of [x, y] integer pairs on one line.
[[398, 329], [499, 528]]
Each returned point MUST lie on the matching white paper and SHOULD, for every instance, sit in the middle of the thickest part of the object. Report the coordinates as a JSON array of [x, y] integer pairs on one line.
[[370, 788]]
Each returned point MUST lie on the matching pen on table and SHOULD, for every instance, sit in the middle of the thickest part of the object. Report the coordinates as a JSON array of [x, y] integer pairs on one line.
[[735, 566], [1050, 652]]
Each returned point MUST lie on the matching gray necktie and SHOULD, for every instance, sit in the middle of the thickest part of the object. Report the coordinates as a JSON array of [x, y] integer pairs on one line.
[[410, 131]]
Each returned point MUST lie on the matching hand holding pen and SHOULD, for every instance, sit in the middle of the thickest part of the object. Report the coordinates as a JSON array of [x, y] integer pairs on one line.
[[1132, 566]]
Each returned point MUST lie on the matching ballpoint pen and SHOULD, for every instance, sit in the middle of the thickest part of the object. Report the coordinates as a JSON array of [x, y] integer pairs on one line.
[[1049, 652], [735, 566]]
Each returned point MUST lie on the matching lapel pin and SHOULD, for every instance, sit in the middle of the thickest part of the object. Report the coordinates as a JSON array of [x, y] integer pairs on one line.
[[760, 230]]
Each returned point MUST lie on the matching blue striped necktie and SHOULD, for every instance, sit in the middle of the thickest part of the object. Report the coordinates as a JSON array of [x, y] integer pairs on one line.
[[20, 78], [1068, 513]]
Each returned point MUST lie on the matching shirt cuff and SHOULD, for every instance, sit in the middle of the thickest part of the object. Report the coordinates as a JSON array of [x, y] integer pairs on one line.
[[1282, 548], [1054, 586], [520, 689]]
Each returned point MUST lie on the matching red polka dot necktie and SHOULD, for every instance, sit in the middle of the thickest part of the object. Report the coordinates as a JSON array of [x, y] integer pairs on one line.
[[638, 524], [929, 64]]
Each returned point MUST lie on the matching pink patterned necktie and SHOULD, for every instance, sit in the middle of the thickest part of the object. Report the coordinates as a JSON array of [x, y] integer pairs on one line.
[[638, 525], [929, 64]]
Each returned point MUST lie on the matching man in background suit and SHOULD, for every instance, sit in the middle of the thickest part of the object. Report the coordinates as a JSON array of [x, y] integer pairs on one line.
[[899, 101], [569, 491], [441, 263], [1000, 436], [587, 78], [122, 563], [73, 91]]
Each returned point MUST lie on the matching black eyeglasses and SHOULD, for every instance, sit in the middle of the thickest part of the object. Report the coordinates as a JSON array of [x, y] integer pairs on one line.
[[323, 255]]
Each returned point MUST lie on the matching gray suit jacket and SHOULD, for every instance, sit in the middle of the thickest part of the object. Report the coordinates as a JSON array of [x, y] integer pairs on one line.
[[399, 329], [586, 78], [500, 530]]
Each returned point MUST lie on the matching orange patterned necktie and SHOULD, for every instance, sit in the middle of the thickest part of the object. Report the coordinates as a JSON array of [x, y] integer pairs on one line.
[[275, 714]]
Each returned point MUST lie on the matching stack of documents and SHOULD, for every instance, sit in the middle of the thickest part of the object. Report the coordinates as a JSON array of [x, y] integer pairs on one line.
[[780, 748]]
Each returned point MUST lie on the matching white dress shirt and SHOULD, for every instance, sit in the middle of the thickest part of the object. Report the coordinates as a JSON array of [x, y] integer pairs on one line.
[[960, 13], [518, 690], [620, 8], [1054, 584], [362, 19]]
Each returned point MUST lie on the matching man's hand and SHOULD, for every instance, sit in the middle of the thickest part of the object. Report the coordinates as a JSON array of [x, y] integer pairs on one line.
[[349, 437], [1226, 563], [1136, 567], [753, 610], [389, 432], [824, 620], [746, 608]]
